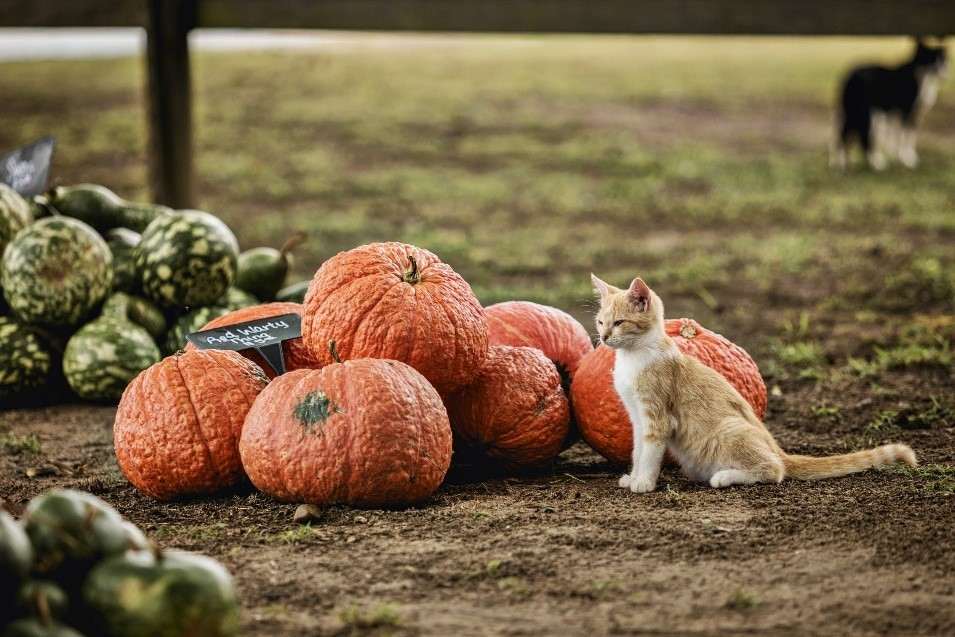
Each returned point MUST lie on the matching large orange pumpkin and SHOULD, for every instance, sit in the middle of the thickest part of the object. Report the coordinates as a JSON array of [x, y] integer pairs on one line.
[[366, 432], [294, 351], [178, 423], [396, 301], [600, 414], [515, 411], [555, 332], [719, 353]]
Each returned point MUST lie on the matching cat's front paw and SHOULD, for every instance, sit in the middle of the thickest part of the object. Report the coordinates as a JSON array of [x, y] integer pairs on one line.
[[625, 480], [642, 486]]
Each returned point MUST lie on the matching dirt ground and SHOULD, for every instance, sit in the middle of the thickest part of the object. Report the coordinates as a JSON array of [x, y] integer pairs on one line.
[[566, 552]]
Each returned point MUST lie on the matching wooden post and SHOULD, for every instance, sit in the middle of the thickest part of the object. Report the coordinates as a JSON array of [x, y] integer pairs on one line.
[[168, 89]]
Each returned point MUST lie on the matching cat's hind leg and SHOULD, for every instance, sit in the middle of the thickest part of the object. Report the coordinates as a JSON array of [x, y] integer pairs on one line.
[[771, 471]]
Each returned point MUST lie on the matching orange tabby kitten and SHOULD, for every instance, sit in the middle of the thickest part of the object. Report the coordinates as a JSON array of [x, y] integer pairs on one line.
[[677, 403]]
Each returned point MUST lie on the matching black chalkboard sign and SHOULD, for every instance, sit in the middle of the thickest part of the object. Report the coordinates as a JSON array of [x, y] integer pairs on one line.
[[27, 169], [264, 335]]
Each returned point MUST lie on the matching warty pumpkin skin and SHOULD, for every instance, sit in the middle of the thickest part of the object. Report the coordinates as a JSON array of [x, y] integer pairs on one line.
[[178, 423], [294, 351], [365, 433], [556, 333], [515, 410], [601, 417], [396, 301], [600, 414], [526, 324], [719, 353]]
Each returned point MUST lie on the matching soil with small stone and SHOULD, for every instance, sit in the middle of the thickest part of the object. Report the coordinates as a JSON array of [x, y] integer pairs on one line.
[[566, 551]]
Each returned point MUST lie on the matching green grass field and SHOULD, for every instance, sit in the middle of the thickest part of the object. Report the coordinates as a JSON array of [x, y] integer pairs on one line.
[[527, 163], [699, 164]]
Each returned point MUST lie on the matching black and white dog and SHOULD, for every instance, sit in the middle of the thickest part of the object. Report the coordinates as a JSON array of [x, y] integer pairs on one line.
[[882, 107]]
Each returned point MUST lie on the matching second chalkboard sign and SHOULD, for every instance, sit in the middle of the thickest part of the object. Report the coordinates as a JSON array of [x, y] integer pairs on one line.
[[264, 335], [27, 169]]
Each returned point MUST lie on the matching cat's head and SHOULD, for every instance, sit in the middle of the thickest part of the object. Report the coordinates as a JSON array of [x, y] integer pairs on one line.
[[930, 56], [627, 318]]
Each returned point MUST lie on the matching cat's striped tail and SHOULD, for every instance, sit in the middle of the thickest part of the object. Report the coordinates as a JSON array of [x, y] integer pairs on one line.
[[812, 468]]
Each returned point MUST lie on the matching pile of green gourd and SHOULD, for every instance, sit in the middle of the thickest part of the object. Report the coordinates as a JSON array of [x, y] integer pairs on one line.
[[73, 566], [94, 288]]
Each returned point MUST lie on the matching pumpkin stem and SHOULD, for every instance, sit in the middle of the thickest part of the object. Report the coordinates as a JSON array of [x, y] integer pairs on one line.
[[687, 331], [334, 351], [292, 242], [412, 276]]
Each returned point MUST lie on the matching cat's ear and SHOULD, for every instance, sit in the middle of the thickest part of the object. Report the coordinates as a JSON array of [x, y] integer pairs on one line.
[[639, 295], [601, 289]]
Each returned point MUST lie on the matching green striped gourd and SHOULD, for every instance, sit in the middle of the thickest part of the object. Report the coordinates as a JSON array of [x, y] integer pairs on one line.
[[191, 321], [146, 314], [16, 560], [103, 209], [236, 299], [186, 259], [25, 358], [106, 354], [56, 271], [174, 593], [122, 243], [70, 532], [15, 214]]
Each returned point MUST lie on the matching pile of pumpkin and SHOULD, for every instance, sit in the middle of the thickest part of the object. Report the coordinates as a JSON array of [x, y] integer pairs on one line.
[[73, 566], [96, 289], [397, 367]]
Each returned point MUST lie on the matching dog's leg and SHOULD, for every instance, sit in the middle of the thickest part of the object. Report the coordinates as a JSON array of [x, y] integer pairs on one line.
[[907, 154], [869, 137]]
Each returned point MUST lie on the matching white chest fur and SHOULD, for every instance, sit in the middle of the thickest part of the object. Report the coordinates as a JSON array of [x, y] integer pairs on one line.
[[627, 366]]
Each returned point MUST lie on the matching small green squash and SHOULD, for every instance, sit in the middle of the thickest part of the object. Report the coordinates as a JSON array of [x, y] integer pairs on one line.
[[262, 271], [103, 209], [106, 354], [161, 594], [186, 259], [236, 299], [56, 271], [293, 293]]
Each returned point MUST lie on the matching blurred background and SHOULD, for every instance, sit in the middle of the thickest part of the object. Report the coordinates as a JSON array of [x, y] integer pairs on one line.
[[526, 162]]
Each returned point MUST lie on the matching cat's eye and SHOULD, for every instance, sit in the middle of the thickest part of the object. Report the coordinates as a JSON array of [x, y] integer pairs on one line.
[[599, 322], [618, 323]]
